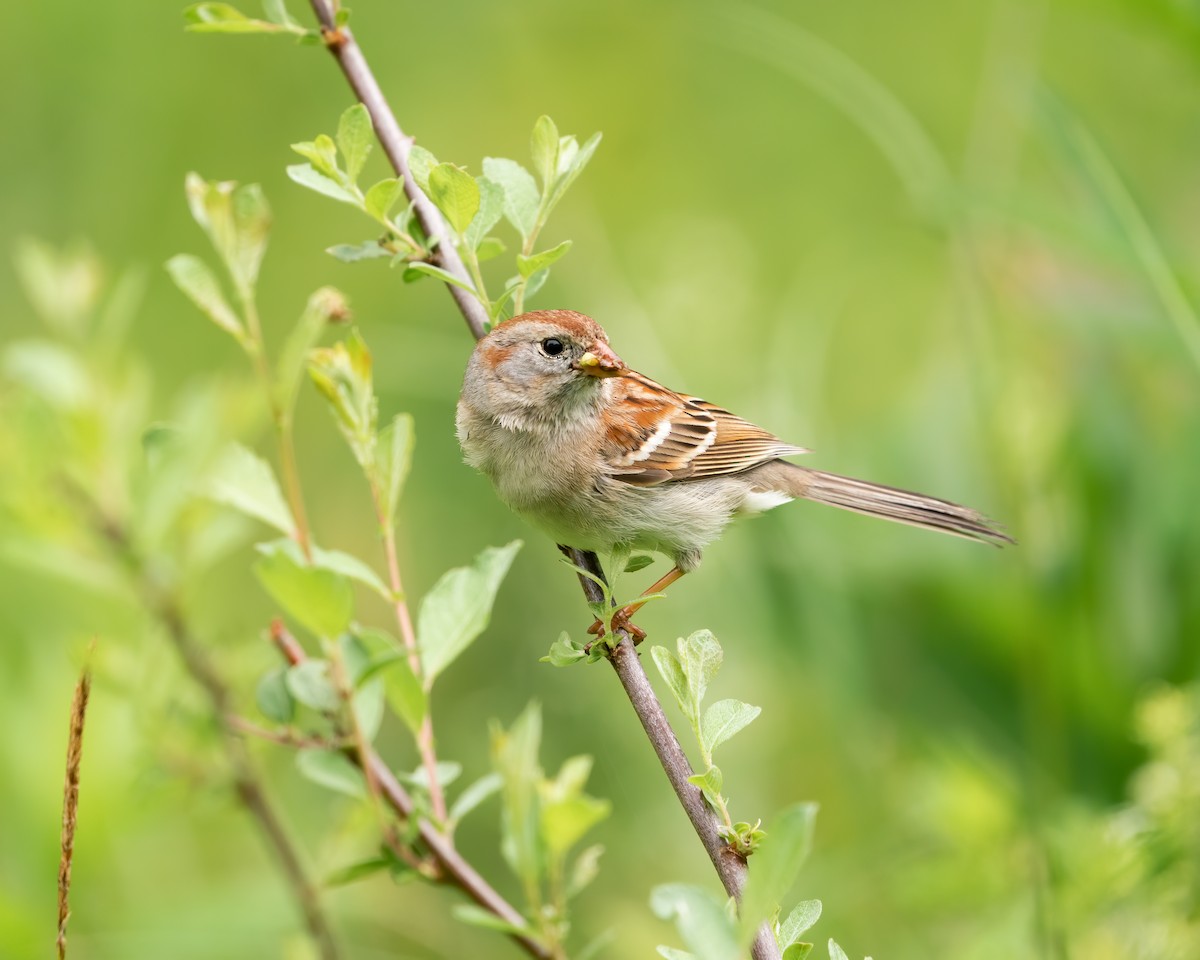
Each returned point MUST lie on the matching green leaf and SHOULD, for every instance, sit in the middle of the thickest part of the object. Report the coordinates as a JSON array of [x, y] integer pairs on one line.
[[722, 720], [638, 562], [481, 790], [458, 608], [322, 154], [521, 198], [404, 692], [273, 697], [797, 951], [356, 658], [701, 921], [802, 919], [326, 306], [835, 951], [446, 771], [192, 276], [579, 159], [544, 146], [565, 821], [320, 600], [354, 252], [224, 18], [332, 770], [420, 163], [456, 194], [352, 568], [475, 916], [527, 266], [393, 457], [671, 671], [50, 371], [585, 869], [515, 758], [368, 708], [237, 221], [382, 196], [710, 783], [490, 248], [342, 374], [567, 813], [354, 139], [701, 656], [244, 481], [306, 176], [564, 651], [357, 871], [535, 283], [672, 954], [311, 683], [420, 268], [276, 12], [62, 285], [776, 864], [491, 209]]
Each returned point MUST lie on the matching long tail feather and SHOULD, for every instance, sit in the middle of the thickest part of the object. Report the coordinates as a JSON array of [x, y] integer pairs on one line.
[[903, 506]]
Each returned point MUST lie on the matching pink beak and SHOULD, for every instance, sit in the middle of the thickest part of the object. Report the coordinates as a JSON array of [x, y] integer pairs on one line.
[[600, 361]]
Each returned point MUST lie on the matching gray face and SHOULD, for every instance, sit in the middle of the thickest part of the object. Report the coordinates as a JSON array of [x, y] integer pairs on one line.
[[533, 372]]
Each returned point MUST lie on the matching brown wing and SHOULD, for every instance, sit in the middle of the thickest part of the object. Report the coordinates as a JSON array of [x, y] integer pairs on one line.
[[666, 436]]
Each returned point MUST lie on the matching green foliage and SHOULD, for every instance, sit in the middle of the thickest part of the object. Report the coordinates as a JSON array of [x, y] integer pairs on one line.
[[225, 18], [332, 770], [319, 599], [777, 862], [342, 373], [457, 609], [245, 481], [542, 821], [702, 922], [778, 852], [472, 206]]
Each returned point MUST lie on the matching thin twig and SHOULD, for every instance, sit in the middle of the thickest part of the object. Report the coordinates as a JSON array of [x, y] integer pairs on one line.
[[286, 738], [396, 145], [437, 796], [455, 869], [247, 785], [79, 704], [731, 867]]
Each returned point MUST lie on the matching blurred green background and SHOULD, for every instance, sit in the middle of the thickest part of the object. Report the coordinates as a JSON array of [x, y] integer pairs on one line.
[[904, 235]]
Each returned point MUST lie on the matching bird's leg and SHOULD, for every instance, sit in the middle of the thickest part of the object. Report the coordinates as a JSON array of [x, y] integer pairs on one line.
[[621, 619]]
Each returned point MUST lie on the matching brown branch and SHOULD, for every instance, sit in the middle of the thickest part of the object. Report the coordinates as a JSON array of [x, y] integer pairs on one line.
[[79, 704], [396, 144], [246, 782], [454, 868], [731, 867]]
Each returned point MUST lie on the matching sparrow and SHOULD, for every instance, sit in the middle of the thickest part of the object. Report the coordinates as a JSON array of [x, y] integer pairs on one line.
[[600, 456]]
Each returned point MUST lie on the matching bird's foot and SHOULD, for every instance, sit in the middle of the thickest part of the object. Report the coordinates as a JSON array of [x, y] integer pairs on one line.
[[620, 621]]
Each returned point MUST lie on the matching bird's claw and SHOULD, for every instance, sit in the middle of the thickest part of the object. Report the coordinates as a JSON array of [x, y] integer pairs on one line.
[[620, 621]]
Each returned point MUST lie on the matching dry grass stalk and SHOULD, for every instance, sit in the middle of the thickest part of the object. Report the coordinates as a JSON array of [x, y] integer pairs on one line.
[[71, 799]]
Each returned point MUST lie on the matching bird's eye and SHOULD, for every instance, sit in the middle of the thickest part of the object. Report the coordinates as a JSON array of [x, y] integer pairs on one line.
[[552, 346]]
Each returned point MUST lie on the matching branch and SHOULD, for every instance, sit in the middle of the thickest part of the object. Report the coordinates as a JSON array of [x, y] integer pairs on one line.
[[729, 864], [731, 867], [396, 144], [246, 782], [455, 868]]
